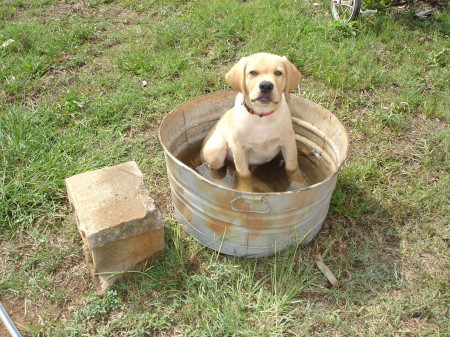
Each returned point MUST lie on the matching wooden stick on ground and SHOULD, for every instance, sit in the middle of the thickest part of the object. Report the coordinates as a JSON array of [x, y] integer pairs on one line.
[[326, 271]]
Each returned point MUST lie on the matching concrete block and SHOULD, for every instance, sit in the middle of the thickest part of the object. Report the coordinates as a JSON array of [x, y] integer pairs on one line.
[[119, 223]]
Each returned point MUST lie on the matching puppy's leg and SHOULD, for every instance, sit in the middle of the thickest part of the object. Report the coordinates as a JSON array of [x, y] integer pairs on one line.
[[289, 152], [214, 151], [296, 180], [240, 158]]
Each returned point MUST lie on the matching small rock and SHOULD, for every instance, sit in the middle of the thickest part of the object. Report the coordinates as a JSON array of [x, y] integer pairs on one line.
[[423, 15], [319, 306], [7, 43]]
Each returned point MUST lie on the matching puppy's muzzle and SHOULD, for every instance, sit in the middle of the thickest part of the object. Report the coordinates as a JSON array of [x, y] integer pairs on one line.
[[266, 87]]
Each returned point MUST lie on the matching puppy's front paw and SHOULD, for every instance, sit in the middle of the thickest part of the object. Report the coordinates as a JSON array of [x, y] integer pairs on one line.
[[296, 180], [243, 173], [244, 184]]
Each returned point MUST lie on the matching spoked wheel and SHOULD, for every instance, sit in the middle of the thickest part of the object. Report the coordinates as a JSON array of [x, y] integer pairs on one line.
[[345, 10]]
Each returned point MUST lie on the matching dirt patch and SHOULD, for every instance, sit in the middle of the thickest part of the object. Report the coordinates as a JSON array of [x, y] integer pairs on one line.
[[15, 311], [47, 295], [72, 280], [81, 8]]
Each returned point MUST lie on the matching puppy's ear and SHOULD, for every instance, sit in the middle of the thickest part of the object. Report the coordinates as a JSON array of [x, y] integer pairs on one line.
[[236, 76], [293, 77]]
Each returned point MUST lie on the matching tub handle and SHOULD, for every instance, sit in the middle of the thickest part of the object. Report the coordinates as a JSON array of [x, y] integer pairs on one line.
[[263, 206]]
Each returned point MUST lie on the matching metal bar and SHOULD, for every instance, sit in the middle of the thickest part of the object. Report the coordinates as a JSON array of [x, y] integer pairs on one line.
[[8, 323]]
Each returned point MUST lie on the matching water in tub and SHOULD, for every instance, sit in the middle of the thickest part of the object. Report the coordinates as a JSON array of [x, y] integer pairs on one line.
[[266, 178]]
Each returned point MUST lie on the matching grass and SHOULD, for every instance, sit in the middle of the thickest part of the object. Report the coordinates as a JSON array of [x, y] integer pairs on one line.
[[72, 100]]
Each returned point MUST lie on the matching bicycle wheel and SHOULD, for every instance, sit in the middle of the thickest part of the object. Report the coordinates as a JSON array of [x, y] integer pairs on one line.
[[345, 10]]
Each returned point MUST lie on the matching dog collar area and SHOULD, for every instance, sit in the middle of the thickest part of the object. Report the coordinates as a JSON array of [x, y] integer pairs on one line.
[[253, 112]]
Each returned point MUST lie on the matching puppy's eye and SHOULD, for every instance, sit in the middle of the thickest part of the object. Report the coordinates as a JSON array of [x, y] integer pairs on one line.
[[253, 73], [278, 73]]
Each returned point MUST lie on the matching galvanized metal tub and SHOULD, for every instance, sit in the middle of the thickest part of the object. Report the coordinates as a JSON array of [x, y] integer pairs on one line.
[[249, 224]]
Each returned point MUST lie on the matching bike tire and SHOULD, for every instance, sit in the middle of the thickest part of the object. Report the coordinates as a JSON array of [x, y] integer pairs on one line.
[[346, 11]]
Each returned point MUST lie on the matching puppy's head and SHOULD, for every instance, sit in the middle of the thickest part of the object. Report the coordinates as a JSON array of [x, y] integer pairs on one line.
[[262, 78]]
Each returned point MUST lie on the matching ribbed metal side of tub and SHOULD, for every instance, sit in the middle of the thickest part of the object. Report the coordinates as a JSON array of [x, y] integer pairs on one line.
[[249, 224]]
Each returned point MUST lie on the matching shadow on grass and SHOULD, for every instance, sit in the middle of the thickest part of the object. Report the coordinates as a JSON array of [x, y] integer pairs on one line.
[[360, 243]]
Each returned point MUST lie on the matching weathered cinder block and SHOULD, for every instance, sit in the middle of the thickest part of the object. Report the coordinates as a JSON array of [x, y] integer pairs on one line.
[[119, 223]]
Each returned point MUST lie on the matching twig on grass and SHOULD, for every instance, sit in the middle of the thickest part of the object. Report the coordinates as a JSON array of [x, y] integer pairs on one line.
[[326, 271]]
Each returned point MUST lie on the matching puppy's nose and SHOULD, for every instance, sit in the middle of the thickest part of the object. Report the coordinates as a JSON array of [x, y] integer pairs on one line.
[[266, 86]]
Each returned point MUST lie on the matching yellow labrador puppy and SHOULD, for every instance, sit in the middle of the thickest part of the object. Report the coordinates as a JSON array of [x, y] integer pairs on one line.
[[259, 125]]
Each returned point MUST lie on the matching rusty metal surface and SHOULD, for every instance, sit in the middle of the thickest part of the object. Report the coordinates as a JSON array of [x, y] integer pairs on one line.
[[241, 223]]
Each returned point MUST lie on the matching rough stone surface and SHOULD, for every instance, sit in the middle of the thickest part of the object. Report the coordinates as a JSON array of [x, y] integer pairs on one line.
[[119, 223]]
